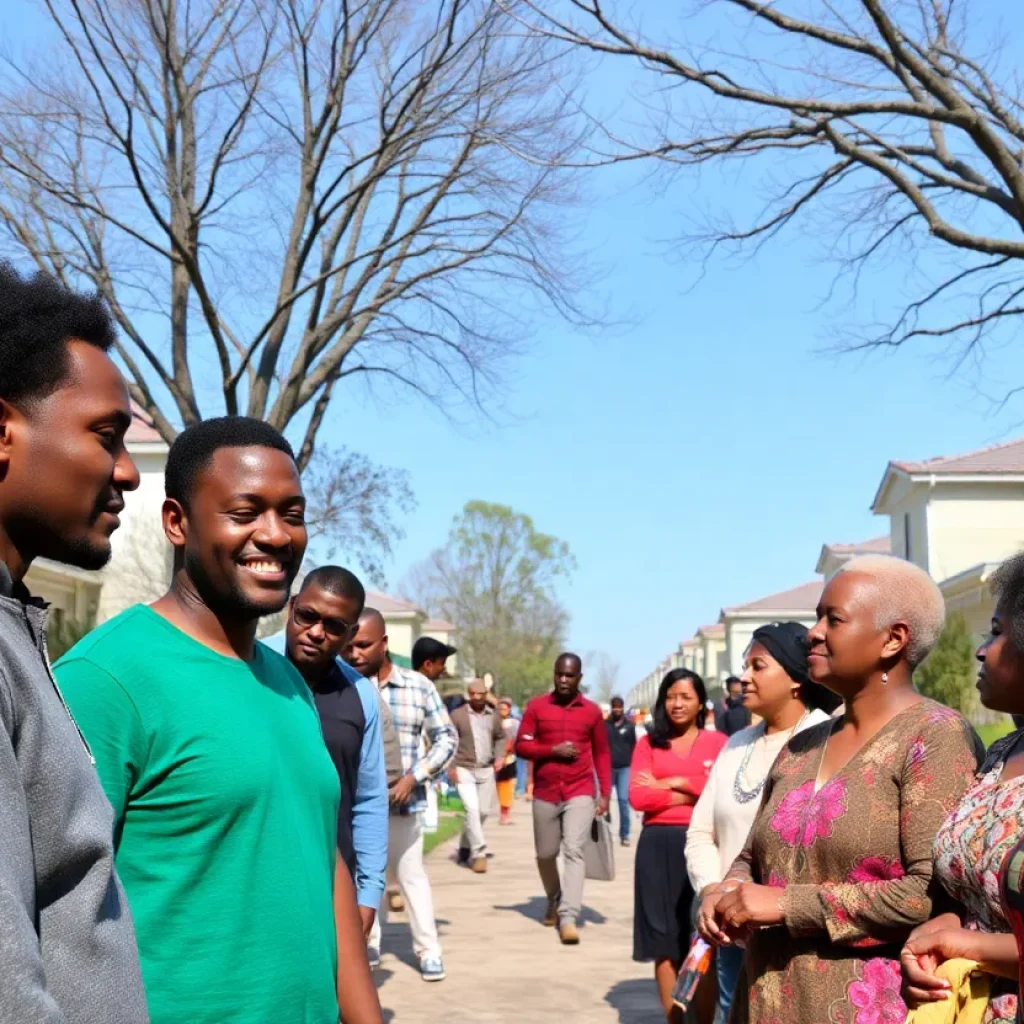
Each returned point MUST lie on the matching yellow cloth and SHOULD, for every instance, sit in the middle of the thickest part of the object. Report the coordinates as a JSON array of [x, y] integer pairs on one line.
[[967, 1002]]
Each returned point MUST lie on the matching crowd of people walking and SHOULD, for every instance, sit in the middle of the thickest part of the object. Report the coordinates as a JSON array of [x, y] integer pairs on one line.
[[202, 826]]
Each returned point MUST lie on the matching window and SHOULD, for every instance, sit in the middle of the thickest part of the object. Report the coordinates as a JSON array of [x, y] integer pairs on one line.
[[906, 537]]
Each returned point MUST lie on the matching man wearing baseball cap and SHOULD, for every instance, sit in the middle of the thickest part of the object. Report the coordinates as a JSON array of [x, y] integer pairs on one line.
[[429, 657]]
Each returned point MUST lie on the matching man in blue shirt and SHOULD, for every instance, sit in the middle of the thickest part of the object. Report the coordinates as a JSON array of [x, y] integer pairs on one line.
[[322, 618]]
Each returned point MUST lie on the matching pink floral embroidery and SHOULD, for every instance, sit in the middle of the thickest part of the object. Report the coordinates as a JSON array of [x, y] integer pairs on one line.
[[776, 880], [804, 816], [876, 995], [876, 869]]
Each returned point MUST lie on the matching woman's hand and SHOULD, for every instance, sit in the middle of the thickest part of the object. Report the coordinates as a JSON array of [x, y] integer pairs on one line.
[[748, 907], [707, 925], [934, 942], [648, 781]]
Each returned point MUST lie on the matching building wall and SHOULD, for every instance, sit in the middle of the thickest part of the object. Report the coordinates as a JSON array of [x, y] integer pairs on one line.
[[140, 567], [974, 523], [908, 520], [402, 634]]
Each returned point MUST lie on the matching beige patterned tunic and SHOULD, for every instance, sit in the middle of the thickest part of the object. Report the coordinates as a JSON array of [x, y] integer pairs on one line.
[[855, 857]]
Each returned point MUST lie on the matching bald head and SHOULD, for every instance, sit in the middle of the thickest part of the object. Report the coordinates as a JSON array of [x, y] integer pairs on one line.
[[368, 651]]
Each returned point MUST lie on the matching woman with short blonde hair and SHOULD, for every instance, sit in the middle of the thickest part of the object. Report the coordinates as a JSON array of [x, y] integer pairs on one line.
[[837, 868]]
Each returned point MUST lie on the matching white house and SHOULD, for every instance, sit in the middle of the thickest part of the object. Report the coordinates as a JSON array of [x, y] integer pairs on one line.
[[834, 556], [958, 517]]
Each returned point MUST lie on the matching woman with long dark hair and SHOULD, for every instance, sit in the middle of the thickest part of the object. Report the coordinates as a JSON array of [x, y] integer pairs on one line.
[[669, 770]]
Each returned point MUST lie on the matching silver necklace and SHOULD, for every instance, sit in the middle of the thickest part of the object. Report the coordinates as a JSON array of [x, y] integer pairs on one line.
[[741, 791]]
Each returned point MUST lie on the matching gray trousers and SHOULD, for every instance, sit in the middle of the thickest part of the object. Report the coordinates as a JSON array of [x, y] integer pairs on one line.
[[563, 826]]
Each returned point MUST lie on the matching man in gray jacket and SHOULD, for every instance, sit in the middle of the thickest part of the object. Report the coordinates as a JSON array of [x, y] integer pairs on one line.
[[67, 946]]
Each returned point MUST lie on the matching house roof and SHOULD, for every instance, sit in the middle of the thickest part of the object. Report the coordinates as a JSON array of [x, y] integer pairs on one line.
[[1007, 457], [995, 461], [388, 605], [438, 626], [844, 552], [803, 598], [875, 546], [142, 430], [713, 630]]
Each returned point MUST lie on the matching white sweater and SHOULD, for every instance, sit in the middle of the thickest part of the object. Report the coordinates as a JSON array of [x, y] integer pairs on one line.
[[720, 824]]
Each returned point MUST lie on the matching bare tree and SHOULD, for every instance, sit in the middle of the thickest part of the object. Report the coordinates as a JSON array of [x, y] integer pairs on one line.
[[278, 195], [886, 121], [601, 673]]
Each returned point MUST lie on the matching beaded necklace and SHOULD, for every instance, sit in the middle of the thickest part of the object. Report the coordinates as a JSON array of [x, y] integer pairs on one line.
[[742, 793]]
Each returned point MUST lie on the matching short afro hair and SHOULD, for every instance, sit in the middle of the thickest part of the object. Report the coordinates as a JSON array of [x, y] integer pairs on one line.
[[1008, 586], [906, 593], [38, 317], [194, 448], [337, 581]]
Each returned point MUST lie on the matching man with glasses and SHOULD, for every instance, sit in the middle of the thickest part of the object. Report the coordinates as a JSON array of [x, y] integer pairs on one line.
[[322, 619]]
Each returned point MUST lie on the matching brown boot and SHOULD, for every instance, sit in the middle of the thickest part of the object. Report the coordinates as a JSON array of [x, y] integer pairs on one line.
[[550, 918], [480, 866], [568, 934]]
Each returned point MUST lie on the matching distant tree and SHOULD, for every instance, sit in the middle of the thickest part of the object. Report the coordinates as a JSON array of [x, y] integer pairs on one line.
[[601, 672], [495, 579], [948, 674]]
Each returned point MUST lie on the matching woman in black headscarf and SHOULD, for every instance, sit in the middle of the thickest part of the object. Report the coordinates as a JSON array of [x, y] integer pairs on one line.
[[776, 687]]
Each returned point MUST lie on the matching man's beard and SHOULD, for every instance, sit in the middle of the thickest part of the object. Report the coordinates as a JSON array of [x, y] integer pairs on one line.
[[80, 552], [235, 604]]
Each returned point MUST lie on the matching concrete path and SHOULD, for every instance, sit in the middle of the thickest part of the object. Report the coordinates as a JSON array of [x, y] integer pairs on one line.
[[502, 965]]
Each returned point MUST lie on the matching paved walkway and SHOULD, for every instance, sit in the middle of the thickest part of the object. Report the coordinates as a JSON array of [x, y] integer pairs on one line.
[[502, 964]]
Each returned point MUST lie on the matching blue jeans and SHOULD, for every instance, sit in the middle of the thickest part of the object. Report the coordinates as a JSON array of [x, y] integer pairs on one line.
[[620, 780], [728, 963], [521, 769]]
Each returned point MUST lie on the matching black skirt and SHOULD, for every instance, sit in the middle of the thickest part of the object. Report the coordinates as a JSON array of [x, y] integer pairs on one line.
[[662, 895]]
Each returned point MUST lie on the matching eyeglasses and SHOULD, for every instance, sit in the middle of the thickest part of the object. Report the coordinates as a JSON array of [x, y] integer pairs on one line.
[[336, 629]]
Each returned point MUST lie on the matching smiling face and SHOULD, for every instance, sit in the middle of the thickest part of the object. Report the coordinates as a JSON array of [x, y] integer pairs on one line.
[[1001, 679], [320, 626], [847, 646], [243, 534], [682, 704], [767, 687], [64, 465]]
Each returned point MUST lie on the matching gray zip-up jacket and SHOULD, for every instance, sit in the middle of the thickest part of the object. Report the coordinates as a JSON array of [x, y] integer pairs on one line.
[[67, 945]]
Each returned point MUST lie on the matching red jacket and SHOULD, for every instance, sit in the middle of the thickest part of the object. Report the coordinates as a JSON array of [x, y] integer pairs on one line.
[[545, 724]]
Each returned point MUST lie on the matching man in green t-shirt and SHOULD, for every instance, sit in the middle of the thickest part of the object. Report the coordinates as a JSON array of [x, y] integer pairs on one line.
[[209, 748]]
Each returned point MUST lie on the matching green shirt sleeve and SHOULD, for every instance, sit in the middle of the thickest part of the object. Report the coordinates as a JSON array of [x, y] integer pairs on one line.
[[111, 724]]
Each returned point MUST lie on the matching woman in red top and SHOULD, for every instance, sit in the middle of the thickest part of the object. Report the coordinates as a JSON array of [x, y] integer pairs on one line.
[[668, 773]]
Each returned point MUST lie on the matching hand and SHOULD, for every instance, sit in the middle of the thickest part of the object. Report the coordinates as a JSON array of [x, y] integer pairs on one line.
[[565, 751], [601, 808], [453, 776], [748, 907], [367, 915], [648, 781], [928, 946], [707, 925], [499, 763], [402, 790]]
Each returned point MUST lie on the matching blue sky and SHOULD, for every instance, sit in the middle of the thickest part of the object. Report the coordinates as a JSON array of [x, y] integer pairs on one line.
[[700, 455]]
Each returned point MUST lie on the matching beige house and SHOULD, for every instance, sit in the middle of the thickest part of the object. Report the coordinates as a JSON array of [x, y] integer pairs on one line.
[[797, 604], [834, 556], [958, 517]]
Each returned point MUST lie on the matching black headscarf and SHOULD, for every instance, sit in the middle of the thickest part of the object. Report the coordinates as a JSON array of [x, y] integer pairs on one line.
[[787, 643]]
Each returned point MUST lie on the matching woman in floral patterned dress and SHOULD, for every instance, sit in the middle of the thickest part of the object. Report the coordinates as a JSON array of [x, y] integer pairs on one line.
[[974, 844], [837, 868]]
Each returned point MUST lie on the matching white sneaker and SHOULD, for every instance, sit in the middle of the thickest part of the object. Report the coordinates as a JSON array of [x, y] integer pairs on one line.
[[373, 955], [432, 969]]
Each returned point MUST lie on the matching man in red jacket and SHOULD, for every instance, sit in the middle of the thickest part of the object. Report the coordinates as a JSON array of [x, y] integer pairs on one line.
[[564, 735]]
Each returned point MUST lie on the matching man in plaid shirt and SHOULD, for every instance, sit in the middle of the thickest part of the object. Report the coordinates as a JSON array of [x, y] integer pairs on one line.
[[428, 745]]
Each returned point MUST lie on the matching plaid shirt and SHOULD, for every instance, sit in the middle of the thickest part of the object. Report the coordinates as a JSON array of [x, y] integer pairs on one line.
[[418, 715]]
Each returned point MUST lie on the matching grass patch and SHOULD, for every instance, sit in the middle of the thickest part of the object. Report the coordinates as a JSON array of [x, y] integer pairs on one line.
[[990, 733], [449, 826]]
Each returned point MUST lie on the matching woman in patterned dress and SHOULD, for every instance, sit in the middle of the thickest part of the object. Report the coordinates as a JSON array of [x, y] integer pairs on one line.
[[977, 839], [837, 869]]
